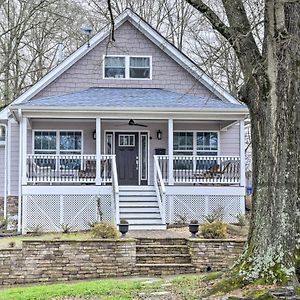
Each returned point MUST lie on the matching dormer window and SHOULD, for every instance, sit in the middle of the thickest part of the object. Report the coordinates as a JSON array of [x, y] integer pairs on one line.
[[127, 67], [114, 67], [139, 67]]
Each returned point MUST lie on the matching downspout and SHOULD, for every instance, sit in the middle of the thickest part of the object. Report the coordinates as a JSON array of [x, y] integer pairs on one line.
[[5, 170]]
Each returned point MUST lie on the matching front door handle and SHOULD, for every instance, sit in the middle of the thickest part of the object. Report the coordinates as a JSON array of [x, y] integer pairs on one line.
[[137, 163]]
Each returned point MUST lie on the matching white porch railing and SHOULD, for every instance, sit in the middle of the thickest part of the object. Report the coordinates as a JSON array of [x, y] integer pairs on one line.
[[67, 168], [115, 186], [202, 169], [160, 189]]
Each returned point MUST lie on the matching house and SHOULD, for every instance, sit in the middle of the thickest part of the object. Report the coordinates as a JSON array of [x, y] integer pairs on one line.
[[131, 130]]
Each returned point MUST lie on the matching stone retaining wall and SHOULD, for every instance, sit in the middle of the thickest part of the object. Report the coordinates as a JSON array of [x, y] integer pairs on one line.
[[214, 255], [43, 261], [49, 261], [12, 206]]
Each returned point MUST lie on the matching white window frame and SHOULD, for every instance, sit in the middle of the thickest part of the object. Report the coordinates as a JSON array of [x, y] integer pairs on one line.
[[129, 136], [195, 141], [127, 67], [57, 150]]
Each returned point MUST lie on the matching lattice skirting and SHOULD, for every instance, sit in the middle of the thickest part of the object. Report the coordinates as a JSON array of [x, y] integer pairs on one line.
[[51, 212], [183, 208]]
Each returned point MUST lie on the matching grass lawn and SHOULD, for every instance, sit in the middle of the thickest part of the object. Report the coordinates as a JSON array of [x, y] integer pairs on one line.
[[182, 287], [179, 287]]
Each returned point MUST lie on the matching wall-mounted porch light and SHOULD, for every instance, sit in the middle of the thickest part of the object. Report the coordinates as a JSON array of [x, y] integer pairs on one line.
[[159, 134], [94, 135]]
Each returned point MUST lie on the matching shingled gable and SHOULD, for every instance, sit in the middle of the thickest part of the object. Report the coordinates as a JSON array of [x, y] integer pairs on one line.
[[151, 34]]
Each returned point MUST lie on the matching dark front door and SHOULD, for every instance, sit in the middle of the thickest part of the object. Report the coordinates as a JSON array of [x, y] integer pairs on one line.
[[127, 149]]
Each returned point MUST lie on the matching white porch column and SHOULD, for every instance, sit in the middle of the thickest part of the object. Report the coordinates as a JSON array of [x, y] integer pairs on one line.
[[170, 152], [98, 151], [242, 153], [24, 150]]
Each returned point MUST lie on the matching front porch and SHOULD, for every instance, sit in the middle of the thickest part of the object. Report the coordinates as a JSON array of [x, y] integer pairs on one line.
[[71, 167]]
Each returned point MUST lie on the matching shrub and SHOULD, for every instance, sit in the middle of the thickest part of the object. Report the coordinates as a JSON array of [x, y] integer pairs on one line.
[[123, 221], [104, 230], [241, 220], [36, 229], [194, 222], [66, 228], [214, 230], [216, 215]]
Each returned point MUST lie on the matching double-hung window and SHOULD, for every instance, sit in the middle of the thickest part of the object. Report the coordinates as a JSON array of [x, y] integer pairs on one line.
[[139, 67], [193, 143], [114, 67], [51, 143], [127, 67]]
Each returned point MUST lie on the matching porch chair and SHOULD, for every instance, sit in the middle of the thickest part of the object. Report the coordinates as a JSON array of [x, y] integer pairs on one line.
[[34, 171], [90, 169]]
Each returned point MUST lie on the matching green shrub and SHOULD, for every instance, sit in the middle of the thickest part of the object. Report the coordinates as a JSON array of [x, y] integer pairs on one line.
[[217, 215], [104, 230], [241, 220], [214, 230]]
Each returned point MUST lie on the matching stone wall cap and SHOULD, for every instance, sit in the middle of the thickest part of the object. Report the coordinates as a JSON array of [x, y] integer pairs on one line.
[[121, 240], [199, 240]]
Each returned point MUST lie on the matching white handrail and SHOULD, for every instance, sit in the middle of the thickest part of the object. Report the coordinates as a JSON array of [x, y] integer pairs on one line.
[[160, 192], [115, 189]]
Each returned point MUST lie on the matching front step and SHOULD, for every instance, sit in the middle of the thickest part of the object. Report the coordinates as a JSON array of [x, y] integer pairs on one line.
[[163, 256], [139, 206], [164, 269], [168, 258]]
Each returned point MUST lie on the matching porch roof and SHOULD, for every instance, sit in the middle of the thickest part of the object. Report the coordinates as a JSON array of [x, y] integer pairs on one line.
[[147, 98]]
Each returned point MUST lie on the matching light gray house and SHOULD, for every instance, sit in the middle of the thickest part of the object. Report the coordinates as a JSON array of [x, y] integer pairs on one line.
[[131, 130]]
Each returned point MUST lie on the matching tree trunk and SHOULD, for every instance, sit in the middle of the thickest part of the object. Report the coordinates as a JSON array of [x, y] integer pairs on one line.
[[269, 254]]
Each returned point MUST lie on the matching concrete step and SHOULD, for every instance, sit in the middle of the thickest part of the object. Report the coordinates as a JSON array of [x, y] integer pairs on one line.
[[156, 242], [165, 269], [138, 199], [136, 188], [139, 209], [175, 258], [137, 193], [139, 215], [138, 204], [143, 226], [162, 249], [137, 221]]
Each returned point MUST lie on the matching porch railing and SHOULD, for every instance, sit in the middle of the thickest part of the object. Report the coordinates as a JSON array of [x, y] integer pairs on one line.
[[159, 188], [202, 169], [67, 168]]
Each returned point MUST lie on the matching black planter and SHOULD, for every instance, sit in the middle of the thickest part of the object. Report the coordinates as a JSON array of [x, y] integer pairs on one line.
[[193, 228], [123, 228]]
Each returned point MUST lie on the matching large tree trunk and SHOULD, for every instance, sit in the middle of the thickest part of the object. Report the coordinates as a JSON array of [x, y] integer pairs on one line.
[[269, 256]]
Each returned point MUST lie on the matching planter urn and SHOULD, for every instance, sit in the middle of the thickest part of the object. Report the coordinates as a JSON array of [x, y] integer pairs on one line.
[[193, 228], [123, 228]]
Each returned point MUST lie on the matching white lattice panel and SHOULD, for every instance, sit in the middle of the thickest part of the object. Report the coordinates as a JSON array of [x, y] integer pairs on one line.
[[50, 212], [189, 207]]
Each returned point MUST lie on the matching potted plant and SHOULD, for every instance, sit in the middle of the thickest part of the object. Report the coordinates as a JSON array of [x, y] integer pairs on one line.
[[123, 227], [193, 227]]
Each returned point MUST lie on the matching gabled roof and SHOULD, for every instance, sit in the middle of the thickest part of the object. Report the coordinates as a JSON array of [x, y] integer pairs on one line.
[[146, 98], [147, 30]]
